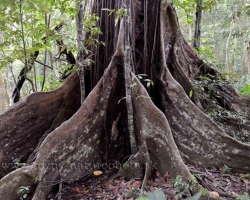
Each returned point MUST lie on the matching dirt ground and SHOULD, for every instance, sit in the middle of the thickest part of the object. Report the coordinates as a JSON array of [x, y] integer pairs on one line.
[[101, 185]]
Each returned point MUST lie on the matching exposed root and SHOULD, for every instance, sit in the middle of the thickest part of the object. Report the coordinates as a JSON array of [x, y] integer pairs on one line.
[[10, 185], [31, 118], [148, 167], [75, 153], [200, 139], [49, 181]]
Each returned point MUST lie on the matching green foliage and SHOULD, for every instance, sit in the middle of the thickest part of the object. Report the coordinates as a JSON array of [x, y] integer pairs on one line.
[[149, 82], [191, 93], [29, 16], [245, 196], [27, 26], [92, 30], [24, 190], [119, 13], [188, 8], [205, 51], [182, 186], [154, 195], [245, 90], [226, 169]]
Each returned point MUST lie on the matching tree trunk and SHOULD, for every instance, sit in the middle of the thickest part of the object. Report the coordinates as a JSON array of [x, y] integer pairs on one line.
[[2, 94], [197, 29], [170, 125]]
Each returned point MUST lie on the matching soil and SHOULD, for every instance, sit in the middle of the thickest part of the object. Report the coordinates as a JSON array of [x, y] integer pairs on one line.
[[102, 185]]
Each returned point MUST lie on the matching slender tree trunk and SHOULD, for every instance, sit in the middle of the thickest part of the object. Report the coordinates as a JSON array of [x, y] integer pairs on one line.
[[190, 35], [235, 54], [197, 30], [80, 41], [228, 46], [2, 94], [244, 59]]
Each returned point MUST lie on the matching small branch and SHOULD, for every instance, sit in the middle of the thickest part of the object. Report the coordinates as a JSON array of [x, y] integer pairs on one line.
[[46, 65]]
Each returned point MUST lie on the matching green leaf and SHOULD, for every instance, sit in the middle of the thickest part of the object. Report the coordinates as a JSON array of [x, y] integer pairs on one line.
[[245, 196], [191, 93], [132, 85], [204, 191], [116, 20], [202, 88]]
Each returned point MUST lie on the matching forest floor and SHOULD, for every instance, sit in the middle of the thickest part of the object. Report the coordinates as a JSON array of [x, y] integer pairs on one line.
[[101, 185]]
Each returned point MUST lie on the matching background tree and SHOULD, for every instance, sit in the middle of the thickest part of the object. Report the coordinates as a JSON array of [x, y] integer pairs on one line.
[[2, 94]]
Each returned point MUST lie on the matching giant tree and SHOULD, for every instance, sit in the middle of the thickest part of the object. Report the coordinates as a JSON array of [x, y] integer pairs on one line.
[[61, 139]]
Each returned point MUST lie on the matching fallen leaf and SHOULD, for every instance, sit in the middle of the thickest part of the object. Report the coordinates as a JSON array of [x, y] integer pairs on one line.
[[86, 191], [234, 193], [154, 188], [97, 172], [129, 187], [137, 184]]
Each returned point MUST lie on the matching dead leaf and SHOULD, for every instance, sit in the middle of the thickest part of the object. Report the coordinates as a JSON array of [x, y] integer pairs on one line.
[[137, 184], [86, 191], [97, 172], [77, 190], [154, 188]]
